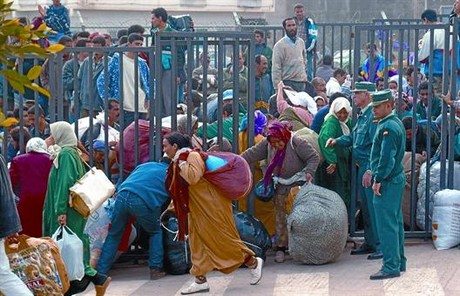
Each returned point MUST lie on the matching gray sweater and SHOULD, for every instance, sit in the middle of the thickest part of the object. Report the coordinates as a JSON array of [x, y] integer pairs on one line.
[[299, 155], [289, 61]]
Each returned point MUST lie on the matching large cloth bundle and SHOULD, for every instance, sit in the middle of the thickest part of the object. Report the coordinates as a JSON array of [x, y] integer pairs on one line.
[[97, 131], [177, 257], [233, 178], [228, 172], [446, 217], [131, 139], [97, 228], [253, 233], [317, 225], [37, 262], [435, 181]]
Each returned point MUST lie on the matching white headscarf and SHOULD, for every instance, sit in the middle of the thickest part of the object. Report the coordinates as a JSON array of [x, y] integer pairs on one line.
[[63, 136], [36, 145], [339, 104]]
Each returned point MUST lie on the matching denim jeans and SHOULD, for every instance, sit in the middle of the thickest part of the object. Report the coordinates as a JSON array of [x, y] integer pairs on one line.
[[126, 205]]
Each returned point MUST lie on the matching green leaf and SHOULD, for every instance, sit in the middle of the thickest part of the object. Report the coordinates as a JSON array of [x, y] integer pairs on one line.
[[36, 87], [34, 72], [55, 48], [16, 85]]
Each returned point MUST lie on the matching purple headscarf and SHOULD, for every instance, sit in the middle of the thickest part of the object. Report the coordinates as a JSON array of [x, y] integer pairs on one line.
[[260, 123], [282, 131]]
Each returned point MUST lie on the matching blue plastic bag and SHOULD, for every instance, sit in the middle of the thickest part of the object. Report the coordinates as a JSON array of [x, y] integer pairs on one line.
[[214, 162]]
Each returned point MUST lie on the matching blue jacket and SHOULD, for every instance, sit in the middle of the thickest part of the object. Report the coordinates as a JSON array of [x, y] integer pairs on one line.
[[148, 182], [319, 119], [9, 219], [114, 78]]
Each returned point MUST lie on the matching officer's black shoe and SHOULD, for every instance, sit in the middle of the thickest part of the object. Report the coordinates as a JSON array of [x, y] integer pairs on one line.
[[375, 256], [362, 250], [382, 275]]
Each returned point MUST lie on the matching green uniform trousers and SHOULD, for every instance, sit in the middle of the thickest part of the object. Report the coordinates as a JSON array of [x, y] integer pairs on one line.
[[366, 195], [390, 224]]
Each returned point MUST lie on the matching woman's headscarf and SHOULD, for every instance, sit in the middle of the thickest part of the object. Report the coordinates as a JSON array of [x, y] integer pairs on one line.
[[339, 104], [64, 136], [37, 145], [281, 131], [260, 123], [182, 123]]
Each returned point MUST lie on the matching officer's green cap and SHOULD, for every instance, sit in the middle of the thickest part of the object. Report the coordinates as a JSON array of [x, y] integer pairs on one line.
[[382, 97], [364, 86]]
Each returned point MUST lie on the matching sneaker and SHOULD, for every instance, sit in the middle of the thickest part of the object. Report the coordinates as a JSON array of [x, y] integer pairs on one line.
[[196, 288], [279, 257], [256, 273], [156, 274]]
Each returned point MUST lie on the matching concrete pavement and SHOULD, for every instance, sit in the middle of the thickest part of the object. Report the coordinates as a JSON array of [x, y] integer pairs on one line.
[[430, 272]]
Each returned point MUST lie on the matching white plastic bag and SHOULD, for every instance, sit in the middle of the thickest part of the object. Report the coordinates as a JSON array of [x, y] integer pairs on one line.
[[71, 248], [446, 219]]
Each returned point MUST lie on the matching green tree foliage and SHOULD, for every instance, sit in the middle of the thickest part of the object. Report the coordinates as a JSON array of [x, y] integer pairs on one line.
[[23, 36]]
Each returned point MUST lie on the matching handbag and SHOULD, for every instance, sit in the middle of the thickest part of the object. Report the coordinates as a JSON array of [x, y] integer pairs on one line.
[[264, 193], [90, 192]]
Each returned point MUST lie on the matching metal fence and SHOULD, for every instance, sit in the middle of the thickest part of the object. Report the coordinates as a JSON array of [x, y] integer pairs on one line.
[[409, 34], [346, 42]]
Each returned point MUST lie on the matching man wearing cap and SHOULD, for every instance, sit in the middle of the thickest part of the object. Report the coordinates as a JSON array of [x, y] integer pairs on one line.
[[361, 138], [389, 179]]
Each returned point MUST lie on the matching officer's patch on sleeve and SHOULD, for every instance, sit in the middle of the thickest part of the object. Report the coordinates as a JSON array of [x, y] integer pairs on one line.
[[385, 133]]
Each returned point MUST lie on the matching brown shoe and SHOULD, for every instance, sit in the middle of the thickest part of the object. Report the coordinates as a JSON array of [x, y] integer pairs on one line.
[[156, 274], [100, 289]]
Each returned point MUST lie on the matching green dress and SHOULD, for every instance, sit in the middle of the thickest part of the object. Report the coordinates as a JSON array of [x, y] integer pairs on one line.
[[339, 181], [71, 169]]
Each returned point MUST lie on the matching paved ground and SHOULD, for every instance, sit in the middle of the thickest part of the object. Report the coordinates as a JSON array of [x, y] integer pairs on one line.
[[430, 272]]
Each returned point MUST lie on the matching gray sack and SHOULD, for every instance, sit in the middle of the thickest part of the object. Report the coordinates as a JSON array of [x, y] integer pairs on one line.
[[317, 225]]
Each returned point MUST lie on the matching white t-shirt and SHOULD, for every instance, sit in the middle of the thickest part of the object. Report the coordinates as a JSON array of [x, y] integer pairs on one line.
[[129, 87]]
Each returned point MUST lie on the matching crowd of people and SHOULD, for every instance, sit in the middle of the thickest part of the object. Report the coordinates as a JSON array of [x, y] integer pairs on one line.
[[303, 133]]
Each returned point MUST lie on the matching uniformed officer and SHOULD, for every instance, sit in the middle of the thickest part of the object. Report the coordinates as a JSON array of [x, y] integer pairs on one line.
[[389, 178], [361, 138]]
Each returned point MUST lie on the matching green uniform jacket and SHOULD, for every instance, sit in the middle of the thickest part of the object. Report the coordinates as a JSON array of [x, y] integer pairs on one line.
[[388, 150], [361, 137]]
